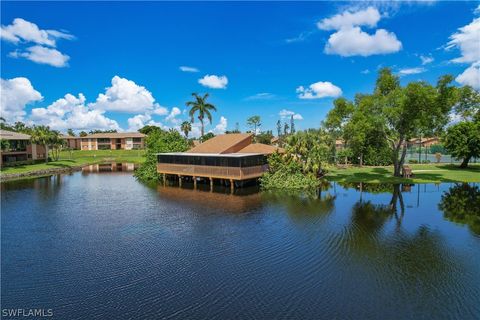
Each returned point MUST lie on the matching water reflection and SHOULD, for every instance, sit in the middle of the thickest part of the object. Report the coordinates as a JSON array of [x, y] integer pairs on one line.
[[461, 204], [109, 167], [98, 245]]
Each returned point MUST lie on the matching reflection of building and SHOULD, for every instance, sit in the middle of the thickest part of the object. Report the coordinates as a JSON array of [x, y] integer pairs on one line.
[[109, 167], [232, 157], [211, 200], [19, 148], [107, 141]]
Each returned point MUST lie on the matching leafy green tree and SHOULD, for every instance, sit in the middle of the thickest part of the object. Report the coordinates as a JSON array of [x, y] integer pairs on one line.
[[102, 131], [417, 109], [264, 137], [254, 122], [148, 129], [56, 143], [156, 142], [468, 105], [292, 125], [200, 106], [4, 144], [462, 141], [42, 135], [71, 133], [186, 127], [83, 134], [285, 129], [279, 128], [207, 136]]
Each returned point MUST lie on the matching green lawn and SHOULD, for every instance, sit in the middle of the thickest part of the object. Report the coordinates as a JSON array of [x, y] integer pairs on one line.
[[79, 158], [422, 173]]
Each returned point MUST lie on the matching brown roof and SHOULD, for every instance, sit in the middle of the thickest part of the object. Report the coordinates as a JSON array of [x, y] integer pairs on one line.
[[65, 136], [261, 148], [11, 135], [116, 135], [224, 143]]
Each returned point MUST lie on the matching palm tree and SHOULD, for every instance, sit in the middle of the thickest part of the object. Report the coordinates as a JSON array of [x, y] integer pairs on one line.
[[42, 135], [186, 127], [255, 122], [202, 107]]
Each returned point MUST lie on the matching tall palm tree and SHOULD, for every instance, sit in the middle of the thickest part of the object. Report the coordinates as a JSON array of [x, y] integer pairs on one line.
[[42, 135], [202, 107], [186, 127]]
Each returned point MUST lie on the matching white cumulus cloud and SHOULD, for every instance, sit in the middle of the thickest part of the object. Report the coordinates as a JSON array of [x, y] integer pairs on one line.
[[214, 82], [42, 55], [173, 114], [350, 40], [319, 90], [467, 40], [71, 112], [16, 93], [126, 96], [22, 32], [221, 127], [471, 76], [287, 114], [368, 17]]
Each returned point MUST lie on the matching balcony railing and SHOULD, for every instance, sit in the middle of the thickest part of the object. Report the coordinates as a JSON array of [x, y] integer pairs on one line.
[[236, 173]]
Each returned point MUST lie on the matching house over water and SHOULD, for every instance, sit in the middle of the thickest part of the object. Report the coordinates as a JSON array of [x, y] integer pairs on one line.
[[228, 157]]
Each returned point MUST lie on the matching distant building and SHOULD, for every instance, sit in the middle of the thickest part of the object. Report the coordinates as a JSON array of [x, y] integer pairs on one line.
[[107, 141], [230, 157], [424, 142], [19, 148]]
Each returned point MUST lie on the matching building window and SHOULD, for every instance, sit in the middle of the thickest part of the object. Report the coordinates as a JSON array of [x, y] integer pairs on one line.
[[136, 146], [104, 147], [137, 140], [103, 140]]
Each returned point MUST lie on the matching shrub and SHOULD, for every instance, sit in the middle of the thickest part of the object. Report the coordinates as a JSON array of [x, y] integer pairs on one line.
[[157, 142]]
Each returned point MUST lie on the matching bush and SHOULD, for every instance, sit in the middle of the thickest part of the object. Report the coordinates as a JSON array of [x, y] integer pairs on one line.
[[157, 142], [286, 173], [412, 161]]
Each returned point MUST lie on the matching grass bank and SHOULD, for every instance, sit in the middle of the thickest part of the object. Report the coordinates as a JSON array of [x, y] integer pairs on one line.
[[422, 173], [72, 160]]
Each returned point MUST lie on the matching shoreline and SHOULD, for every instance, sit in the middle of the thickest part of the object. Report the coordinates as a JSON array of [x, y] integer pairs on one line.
[[40, 173]]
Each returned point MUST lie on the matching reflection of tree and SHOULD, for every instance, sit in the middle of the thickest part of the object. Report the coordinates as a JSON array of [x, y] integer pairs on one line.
[[302, 204], [462, 204]]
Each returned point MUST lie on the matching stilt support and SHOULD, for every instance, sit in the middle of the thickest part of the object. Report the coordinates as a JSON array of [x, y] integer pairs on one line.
[[232, 185], [211, 184], [180, 181], [194, 182]]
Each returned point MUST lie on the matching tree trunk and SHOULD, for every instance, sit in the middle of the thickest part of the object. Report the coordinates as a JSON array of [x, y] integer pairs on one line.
[[361, 159], [398, 163], [202, 128], [46, 153], [464, 163]]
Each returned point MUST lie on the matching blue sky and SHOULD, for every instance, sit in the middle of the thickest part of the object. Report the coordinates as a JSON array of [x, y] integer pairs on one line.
[[117, 65]]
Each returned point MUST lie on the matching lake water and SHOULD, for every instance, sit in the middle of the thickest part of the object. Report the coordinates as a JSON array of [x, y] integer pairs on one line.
[[98, 244]]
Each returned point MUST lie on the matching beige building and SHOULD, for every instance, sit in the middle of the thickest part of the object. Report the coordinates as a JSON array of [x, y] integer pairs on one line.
[[107, 141], [19, 148]]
